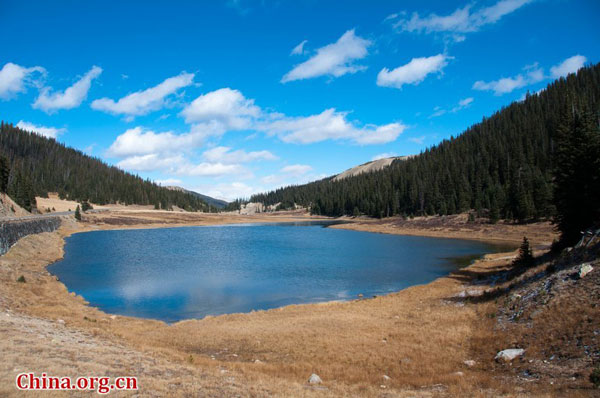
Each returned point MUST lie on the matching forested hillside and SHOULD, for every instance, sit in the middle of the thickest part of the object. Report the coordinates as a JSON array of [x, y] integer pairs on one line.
[[502, 167], [37, 165]]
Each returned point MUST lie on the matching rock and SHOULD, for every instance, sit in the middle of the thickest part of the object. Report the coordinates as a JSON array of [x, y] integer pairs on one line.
[[113, 317], [584, 269], [257, 361], [459, 374], [509, 354], [387, 378], [470, 293], [314, 379], [470, 363], [62, 322]]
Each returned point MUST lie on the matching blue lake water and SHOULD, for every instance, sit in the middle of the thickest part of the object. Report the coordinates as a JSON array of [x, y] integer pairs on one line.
[[179, 273]]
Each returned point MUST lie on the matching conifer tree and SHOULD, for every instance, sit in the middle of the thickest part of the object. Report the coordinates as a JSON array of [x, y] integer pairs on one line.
[[525, 258], [77, 213], [4, 173], [577, 174]]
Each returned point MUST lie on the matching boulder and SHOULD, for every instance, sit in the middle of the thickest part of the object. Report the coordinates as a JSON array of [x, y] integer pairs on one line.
[[584, 269], [470, 363], [386, 377], [509, 354], [314, 379]]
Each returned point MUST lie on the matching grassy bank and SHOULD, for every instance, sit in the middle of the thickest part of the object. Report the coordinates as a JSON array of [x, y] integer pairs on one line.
[[419, 337]]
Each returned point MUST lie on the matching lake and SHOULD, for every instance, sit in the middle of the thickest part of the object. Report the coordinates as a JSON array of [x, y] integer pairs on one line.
[[190, 272]]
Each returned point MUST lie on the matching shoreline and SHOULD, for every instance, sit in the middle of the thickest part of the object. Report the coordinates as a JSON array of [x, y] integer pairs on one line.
[[200, 339]]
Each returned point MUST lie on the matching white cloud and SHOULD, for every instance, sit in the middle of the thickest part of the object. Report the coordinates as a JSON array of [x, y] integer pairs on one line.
[[465, 102], [206, 169], [417, 140], [462, 104], [146, 101], [146, 150], [299, 49], [384, 156], [569, 65], [222, 110], [151, 162], [413, 72], [179, 165], [169, 181], [461, 21], [50, 132], [501, 86], [229, 191], [137, 141], [334, 59], [296, 169], [533, 75], [72, 97], [290, 175], [328, 125], [224, 154], [14, 78]]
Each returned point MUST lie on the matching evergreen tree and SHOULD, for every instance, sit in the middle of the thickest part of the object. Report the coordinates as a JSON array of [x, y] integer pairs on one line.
[[525, 258], [501, 166], [4, 173], [577, 174], [77, 213]]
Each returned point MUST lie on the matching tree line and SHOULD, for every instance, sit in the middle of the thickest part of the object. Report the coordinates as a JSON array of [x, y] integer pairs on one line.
[[32, 165], [509, 166]]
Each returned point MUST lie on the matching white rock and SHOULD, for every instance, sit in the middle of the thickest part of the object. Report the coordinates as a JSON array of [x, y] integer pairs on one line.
[[314, 379], [257, 361], [509, 354], [113, 317], [386, 378], [62, 322], [460, 374], [470, 363], [584, 269]]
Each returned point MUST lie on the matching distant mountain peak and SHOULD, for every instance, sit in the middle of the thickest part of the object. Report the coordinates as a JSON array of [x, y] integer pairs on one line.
[[369, 167]]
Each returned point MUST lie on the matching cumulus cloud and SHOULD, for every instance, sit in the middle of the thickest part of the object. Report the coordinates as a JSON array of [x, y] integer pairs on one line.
[[72, 97], [336, 59], [291, 174], [329, 125], [50, 132], [569, 65], [138, 141], [458, 23], [296, 169], [221, 110], [384, 155], [299, 49], [225, 155], [152, 162], [146, 101], [14, 79], [229, 191], [206, 169], [169, 181], [145, 150], [413, 72], [532, 74]]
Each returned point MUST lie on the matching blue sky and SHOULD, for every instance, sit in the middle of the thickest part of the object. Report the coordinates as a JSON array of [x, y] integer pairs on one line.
[[236, 97]]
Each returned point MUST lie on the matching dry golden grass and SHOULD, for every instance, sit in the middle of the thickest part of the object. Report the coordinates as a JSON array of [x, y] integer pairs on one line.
[[418, 337], [457, 226]]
